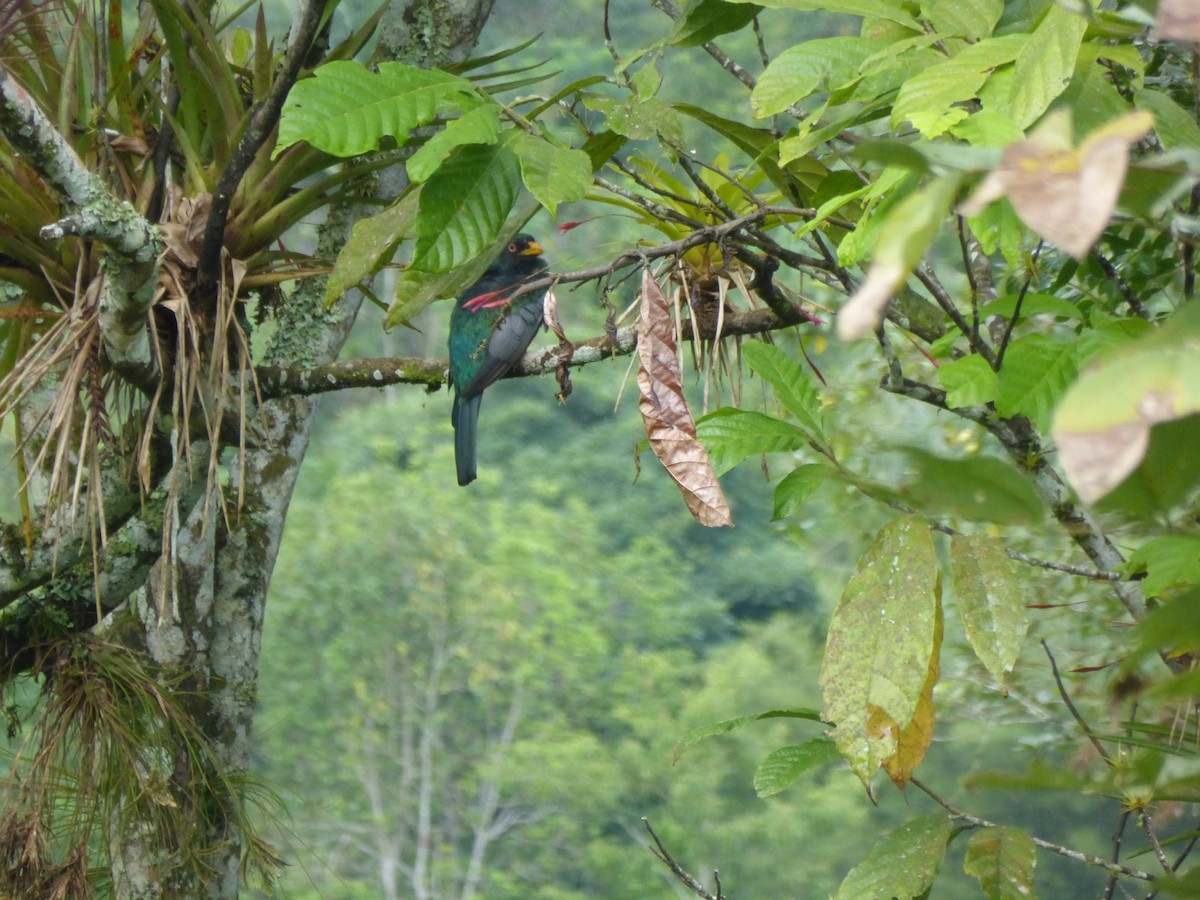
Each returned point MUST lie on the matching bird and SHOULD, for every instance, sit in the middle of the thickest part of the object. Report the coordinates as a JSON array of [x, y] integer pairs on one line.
[[489, 331]]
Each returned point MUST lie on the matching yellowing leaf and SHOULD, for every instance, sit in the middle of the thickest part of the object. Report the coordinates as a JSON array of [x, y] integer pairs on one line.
[[665, 413], [1065, 194], [881, 640], [913, 740], [991, 601]]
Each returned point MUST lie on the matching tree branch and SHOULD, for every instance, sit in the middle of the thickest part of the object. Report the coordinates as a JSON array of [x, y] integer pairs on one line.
[[664, 856], [133, 244], [1076, 855], [263, 119]]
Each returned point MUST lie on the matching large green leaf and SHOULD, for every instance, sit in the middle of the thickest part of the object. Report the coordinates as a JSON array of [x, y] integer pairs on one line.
[[480, 125], [552, 173], [1036, 372], [464, 205], [795, 73], [903, 864], [1176, 127], [881, 639], [731, 435], [991, 600], [1170, 561], [785, 765], [883, 9], [980, 488], [927, 99], [1043, 69], [702, 20], [972, 19], [345, 108], [792, 384], [968, 381], [1003, 860]]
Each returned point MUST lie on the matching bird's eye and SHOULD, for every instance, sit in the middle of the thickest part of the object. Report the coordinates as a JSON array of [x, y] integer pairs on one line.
[[512, 248]]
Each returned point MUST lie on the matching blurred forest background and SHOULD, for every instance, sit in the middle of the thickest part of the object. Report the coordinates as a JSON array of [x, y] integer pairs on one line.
[[504, 670]]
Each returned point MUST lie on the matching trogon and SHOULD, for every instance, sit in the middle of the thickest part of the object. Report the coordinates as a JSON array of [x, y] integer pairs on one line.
[[490, 331]]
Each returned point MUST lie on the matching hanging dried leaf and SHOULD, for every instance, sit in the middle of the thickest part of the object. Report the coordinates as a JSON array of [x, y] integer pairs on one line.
[[669, 423], [1064, 193], [565, 350]]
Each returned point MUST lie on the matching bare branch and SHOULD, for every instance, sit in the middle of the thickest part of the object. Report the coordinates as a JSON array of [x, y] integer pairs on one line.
[[664, 856], [1066, 699]]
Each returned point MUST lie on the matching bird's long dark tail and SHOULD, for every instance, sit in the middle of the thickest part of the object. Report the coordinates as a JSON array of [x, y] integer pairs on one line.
[[465, 416]]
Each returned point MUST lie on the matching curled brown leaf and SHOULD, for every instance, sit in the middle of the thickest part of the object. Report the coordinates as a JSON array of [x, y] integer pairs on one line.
[[669, 423]]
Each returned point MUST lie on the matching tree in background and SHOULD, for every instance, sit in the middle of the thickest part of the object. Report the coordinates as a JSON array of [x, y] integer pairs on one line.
[[998, 197]]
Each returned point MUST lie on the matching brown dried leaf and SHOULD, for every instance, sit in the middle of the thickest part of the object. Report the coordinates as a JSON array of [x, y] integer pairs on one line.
[[1064, 193], [565, 350], [1178, 20], [669, 423]]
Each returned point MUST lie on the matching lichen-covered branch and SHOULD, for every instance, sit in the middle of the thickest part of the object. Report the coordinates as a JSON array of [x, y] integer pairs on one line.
[[132, 244]]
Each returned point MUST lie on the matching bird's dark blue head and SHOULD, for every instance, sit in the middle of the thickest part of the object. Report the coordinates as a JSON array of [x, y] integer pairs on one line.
[[522, 257]]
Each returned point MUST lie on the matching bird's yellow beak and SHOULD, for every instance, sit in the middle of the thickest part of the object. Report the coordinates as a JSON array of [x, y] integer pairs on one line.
[[534, 249]]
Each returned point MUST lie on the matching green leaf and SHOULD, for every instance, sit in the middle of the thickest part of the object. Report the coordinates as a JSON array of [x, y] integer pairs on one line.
[[1002, 859], [797, 486], [980, 488], [553, 174], [785, 765], [792, 384], [972, 19], [703, 20], [903, 864], [638, 119], [731, 435], [1036, 372], [345, 108], [1174, 626], [968, 381], [1168, 562], [696, 735], [464, 204], [480, 125], [1044, 66], [883, 9], [880, 641], [371, 244], [991, 600], [1176, 127], [800, 70], [926, 99], [415, 289]]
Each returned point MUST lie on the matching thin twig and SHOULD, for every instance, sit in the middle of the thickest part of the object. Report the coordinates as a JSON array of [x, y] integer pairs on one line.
[[1159, 853], [664, 856], [1110, 884], [1114, 275], [1075, 714], [1076, 855], [1016, 313]]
